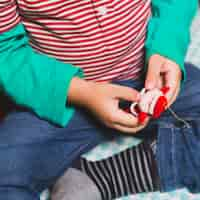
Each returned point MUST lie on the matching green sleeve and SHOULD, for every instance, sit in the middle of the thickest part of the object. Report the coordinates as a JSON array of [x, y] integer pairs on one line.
[[169, 29], [35, 80]]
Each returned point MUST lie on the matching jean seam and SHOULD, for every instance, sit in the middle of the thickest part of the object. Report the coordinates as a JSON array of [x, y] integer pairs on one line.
[[159, 166], [174, 156]]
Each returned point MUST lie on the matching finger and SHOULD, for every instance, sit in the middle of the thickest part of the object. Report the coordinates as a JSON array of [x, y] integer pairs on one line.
[[172, 80], [126, 93], [153, 72], [129, 130], [126, 119], [160, 83], [174, 97]]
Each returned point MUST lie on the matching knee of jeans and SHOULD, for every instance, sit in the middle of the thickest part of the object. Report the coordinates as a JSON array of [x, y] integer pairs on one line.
[[18, 169], [17, 193], [95, 138]]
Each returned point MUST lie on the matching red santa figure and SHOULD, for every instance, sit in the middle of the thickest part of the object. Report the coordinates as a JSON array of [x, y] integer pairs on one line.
[[152, 103]]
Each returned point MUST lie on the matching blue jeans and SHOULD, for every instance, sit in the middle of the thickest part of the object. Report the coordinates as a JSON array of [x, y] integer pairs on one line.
[[178, 146], [34, 153]]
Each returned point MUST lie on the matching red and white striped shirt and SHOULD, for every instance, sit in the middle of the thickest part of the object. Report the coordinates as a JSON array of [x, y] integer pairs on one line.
[[103, 37]]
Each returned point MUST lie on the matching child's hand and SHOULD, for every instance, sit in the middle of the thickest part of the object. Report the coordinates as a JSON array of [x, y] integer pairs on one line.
[[164, 72], [102, 99]]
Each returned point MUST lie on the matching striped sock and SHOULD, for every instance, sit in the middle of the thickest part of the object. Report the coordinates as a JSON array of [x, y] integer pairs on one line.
[[129, 172]]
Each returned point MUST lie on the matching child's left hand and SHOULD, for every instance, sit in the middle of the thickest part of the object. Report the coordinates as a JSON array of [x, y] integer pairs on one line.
[[163, 72]]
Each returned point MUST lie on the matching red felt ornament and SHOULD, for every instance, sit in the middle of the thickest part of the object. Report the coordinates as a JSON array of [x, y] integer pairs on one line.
[[161, 104], [159, 108], [165, 89], [142, 116]]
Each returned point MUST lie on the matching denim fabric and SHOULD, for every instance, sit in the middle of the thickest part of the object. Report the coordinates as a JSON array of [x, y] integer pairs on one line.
[[34, 153], [178, 146]]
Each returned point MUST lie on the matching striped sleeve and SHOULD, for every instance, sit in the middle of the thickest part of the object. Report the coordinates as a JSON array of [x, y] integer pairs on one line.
[[33, 80]]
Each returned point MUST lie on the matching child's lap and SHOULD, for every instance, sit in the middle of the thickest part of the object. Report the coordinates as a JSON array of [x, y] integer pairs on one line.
[[187, 104], [24, 128]]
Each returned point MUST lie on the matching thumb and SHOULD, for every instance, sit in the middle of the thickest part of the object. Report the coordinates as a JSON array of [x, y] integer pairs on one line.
[[153, 72], [127, 93]]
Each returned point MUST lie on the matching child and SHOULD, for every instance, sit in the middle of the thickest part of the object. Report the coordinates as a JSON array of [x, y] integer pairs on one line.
[[106, 40]]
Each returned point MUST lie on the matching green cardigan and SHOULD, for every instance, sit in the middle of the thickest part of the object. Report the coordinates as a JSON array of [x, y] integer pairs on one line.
[[41, 83]]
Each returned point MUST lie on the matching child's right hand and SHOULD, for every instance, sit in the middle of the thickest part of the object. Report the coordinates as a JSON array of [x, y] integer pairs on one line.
[[102, 99]]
